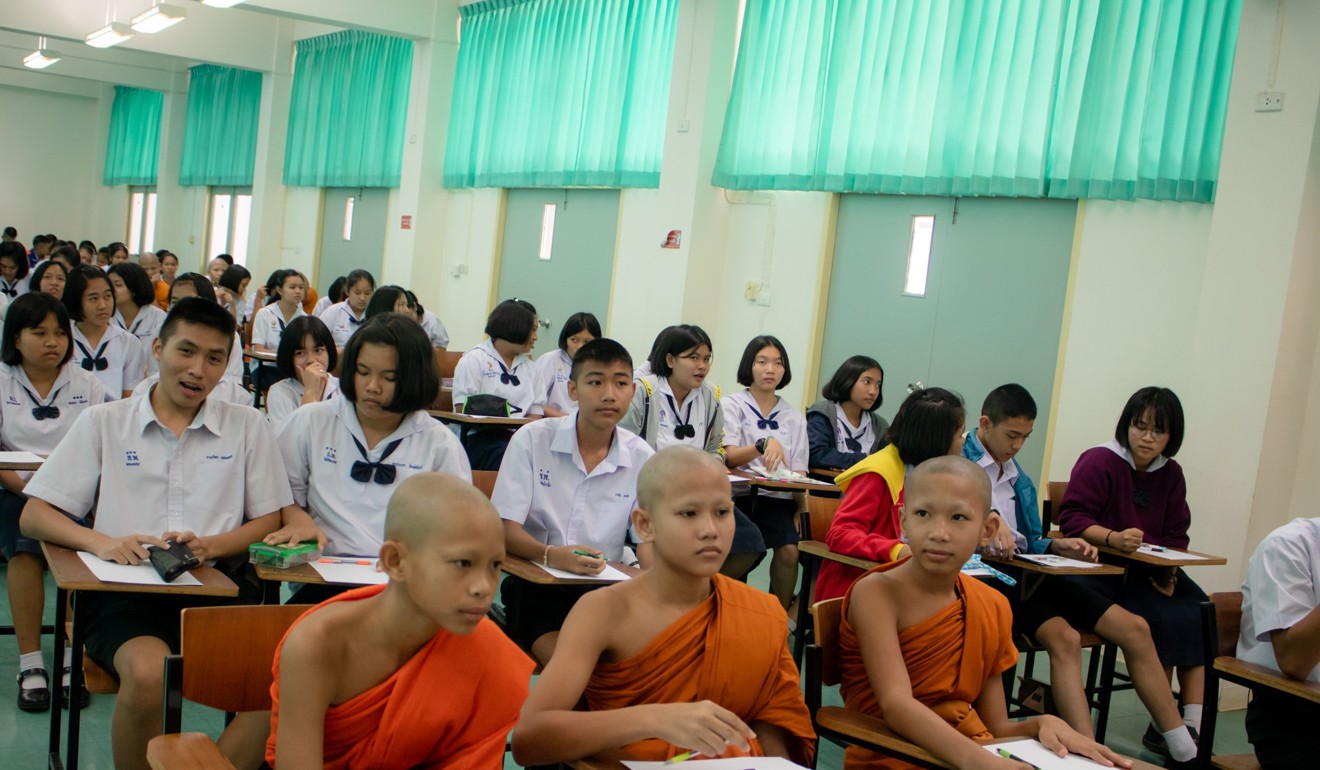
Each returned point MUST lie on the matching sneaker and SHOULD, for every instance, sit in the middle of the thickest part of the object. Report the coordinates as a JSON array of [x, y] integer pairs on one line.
[[34, 698]]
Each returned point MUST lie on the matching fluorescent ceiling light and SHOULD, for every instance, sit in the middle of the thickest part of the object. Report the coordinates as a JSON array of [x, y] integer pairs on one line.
[[41, 58], [221, 3], [113, 33], [158, 17]]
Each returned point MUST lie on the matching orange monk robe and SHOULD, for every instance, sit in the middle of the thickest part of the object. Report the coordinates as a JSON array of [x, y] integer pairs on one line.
[[451, 705], [949, 658], [732, 650], [162, 295]]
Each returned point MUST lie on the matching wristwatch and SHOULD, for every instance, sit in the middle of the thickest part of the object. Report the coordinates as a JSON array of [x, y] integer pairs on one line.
[[760, 446]]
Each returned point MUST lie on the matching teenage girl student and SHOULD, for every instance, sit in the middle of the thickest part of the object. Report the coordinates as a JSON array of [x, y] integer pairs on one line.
[[764, 433], [49, 279], [500, 367], [66, 256], [135, 306], [1127, 492], [430, 322], [41, 395], [13, 269], [101, 346], [843, 427], [286, 289], [230, 292], [556, 367], [87, 253], [390, 299], [346, 456], [332, 295], [344, 318], [305, 358]]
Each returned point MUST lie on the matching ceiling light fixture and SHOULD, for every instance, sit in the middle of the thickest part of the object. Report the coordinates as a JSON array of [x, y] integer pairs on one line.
[[41, 58], [158, 17], [221, 3], [113, 33]]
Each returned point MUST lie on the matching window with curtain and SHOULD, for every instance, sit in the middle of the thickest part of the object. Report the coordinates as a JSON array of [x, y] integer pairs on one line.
[[1050, 98], [348, 110], [561, 93], [132, 147], [220, 134]]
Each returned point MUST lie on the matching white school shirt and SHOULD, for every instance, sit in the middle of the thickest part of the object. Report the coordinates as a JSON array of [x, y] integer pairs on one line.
[[741, 428], [544, 486], [146, 327], [479, 370], [287, 394], [225, 390], [667, 421], [554, 369], [1282, 587], [72, 393], [342, 323], [435, 329], [1003, 497], [125, 364], [268, 325], [843, 430], [19, 287], [321, 305], [223, 471], [317, 444]]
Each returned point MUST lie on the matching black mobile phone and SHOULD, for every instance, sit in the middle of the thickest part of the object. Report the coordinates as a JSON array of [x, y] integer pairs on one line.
[[173, 561]]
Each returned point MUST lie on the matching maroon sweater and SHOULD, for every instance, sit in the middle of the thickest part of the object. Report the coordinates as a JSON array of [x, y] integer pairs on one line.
[[1106, 490]]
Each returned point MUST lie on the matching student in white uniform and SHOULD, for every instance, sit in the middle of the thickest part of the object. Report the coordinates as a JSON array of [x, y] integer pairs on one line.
[[566, 488], [764, 433], [346, 456], [332, 295], [135, 306], [305, 358], [231, 293], [13, 269], [1281, 630], [556, 366], [41, 395], [286, 290], [500, 370], [101, 347], [390, 299], [431, 323], [197, 285], [49, 278], [676, 405], [175, 465], [344, 318]]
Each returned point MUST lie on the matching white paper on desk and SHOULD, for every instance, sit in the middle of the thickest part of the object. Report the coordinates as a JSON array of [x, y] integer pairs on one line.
[[791, 477], [735, 763], [1168, 553], [739, 479], [607, 575], [139, 574], [20, 457], [1033, 752], [1051, 560], [350, 574]]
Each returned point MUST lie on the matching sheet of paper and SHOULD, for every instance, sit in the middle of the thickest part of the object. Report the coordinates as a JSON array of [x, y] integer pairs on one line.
[[1050, 560], [796, 478], [1033, 753], [607, 575], [736, 763], [350, 574], [139, 574], [20, 457], [738, 479], [1167, 553]]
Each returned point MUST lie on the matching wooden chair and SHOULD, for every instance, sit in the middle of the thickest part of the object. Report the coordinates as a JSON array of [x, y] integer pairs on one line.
[[841, 725], [485, 481], [814, 523], [1054, 495], [445, 363], [218, 677]]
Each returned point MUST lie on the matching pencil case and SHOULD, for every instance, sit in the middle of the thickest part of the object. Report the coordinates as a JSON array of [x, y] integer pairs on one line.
[[283, 556]]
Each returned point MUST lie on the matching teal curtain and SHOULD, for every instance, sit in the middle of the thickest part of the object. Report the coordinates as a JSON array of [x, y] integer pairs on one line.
[[132, 148], [1049, 98], [555, 93], [220, 135], [348, 110]]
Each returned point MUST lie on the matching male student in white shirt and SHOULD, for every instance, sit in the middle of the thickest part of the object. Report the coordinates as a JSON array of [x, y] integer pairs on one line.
[[1281, 630], [566, 490], [170, 465]]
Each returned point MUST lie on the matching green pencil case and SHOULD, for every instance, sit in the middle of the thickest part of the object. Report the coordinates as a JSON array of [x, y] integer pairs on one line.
[[283, 556]]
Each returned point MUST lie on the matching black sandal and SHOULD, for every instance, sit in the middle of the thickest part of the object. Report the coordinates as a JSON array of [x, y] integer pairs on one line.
[[34, 698], [84, 699]]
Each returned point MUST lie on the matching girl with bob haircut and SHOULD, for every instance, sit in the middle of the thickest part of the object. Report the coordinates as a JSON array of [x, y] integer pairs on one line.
[[230, 289], [556, 366], [41, 394], [334, 294], [843, 427], [13, 269], [928, 424], [378, 434], [305, 360], [135, 302], [109, 352], [501, 368], [1130, 492], [389, 299], [49, 278], [344, 317], [764, 434]]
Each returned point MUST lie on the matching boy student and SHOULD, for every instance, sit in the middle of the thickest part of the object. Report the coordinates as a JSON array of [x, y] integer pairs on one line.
[[170, 465], [903, 623], [1059, 607], [680, 658], [411, 673], [1281, 630], [566, 490]]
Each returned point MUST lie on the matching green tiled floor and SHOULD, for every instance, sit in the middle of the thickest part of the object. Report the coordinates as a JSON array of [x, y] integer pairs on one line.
[[24, 737]]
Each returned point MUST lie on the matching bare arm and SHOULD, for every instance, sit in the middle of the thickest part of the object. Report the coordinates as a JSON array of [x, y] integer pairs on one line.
[[307, 686], [43, 521], [1297, 649], [1052, 732], [1127, 540], [519, 543], [295, 526], [11, 481], [231, 543]]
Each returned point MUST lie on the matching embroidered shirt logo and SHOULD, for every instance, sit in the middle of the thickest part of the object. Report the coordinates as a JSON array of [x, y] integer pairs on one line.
[[330, 456], [131, 458], [544, 476]]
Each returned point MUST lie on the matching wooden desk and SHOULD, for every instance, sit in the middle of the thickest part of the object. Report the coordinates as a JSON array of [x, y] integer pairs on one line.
[[1034, 574], [1169, 559], [817, 548], [525, 570], [478, 421], [17, 465], [760, 482], [1268, 677], [825, 473], [262, 356], [71, 576]]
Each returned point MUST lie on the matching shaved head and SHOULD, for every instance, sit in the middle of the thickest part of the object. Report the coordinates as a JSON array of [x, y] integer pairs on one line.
[[430, 504], [149, 259], [670, 467], [948, 465]]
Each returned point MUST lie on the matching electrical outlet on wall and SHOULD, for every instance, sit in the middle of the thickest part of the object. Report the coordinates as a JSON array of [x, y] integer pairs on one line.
[[749, 293], [1269, 101]]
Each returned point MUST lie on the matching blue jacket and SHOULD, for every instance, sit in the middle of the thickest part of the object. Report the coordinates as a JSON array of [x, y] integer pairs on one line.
[[1024, 495]]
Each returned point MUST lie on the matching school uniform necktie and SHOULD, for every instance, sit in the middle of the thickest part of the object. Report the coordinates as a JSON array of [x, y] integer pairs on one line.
[[851, 441], [507, 377], [364, 471], [94, 360], [44, 411], [9, 290], [763, 422], [684, 429], [354, 321]]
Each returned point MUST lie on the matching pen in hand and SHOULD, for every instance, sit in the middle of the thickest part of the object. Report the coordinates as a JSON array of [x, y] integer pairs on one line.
[[1006, 754]]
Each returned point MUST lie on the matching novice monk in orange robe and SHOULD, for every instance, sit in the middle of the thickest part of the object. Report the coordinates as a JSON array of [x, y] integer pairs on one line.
[[678, 658], [409, 674], [922, 646]]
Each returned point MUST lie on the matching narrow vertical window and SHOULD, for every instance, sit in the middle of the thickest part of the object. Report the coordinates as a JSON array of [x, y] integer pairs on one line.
[[149, 225], [136, 202], [918, 262], [547, 231], [219, 224], [239, 231], [348, 217]]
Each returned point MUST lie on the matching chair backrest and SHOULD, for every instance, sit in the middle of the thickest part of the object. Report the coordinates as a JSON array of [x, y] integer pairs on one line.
[[228, 652], [828, 614], [485, 481], [820, 515], [1050, 505], [1228, 620], [446, 361]]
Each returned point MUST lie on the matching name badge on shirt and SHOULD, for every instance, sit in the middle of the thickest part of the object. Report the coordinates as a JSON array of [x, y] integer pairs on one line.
[[330, 456], [543, 476], [76, 400], [131, 458], [11, 401]]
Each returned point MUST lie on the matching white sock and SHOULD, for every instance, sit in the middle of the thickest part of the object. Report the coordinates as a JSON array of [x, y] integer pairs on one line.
[[1180, 743], [1192, 716], [31, 660]]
